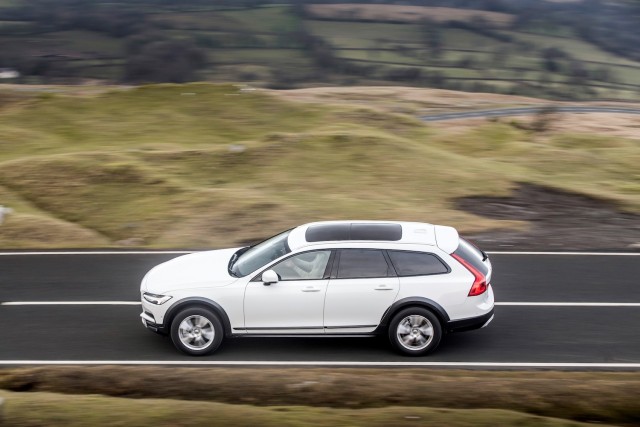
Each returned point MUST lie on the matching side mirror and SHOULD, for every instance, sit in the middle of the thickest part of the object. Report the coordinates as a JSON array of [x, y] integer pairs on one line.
[[269, 277]]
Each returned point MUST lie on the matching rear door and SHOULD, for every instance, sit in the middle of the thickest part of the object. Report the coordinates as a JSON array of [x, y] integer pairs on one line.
[[363, 287]]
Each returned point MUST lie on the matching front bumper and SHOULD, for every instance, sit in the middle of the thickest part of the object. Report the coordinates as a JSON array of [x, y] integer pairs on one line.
[[149, 322], [470, 323], [153, 316]]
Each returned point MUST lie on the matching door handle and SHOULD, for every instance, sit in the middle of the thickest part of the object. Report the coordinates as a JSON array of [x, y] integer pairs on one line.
[[310, 289], [383, 288]]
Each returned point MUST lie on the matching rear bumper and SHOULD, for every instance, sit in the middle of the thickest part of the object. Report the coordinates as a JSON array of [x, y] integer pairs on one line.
[[470, 323]]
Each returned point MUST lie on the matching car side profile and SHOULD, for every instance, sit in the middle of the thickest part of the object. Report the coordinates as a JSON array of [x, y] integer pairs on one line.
[[413, 282]]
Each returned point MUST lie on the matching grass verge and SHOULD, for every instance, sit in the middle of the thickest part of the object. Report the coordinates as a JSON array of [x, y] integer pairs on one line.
[[36, 409], [607, 397]]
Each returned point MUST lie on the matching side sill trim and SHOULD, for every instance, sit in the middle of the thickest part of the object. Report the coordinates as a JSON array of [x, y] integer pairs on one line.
[[351, 327], [277, 328], [297, 328], [308, 335]]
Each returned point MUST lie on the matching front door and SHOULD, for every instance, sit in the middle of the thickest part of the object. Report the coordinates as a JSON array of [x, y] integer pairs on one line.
[[295, 303]]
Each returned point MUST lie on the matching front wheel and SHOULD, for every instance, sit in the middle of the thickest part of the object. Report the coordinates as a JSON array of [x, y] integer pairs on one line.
[[196, 331], [415, 331]]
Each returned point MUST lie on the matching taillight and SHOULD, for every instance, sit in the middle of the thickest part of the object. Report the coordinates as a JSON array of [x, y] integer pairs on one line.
[[480, 281]]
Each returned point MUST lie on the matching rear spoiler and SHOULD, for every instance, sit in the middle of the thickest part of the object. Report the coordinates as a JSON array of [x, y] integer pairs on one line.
[[447, 238]]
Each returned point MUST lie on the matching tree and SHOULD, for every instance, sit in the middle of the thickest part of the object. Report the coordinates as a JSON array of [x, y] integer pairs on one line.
[[551, 57], [171, 61], [433, 38]]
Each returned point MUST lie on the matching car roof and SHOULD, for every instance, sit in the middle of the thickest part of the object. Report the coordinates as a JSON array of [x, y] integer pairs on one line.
[[401, 232]]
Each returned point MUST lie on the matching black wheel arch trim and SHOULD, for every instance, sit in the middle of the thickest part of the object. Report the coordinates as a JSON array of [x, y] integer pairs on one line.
[[197, 302], [413, 302]]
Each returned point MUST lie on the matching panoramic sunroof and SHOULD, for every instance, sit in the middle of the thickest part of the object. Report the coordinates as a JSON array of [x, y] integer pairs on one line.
[[333, 232]]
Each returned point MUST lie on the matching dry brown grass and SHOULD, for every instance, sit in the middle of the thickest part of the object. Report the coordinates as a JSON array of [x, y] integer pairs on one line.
[[432, 101], [404, 100], [611, 125], [398, 13], [622, 125], [25, 230]]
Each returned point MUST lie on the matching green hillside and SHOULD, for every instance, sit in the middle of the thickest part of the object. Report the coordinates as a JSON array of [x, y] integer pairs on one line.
[[204, 165]]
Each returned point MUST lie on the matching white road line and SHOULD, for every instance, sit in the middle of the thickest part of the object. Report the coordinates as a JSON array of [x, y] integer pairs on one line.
[[566, 253], [528, 303], [97, 253], [328, 363], [189, 252], [70, 303], [571, 304]]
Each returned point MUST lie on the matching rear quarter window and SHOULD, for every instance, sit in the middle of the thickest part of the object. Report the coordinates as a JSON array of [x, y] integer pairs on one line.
[[417, 263]]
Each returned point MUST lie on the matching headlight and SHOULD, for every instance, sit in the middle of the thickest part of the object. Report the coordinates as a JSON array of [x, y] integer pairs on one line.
[[156, 299]]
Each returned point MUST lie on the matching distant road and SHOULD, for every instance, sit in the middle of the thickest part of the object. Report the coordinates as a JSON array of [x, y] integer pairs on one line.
[[554, 310], [522, 111]]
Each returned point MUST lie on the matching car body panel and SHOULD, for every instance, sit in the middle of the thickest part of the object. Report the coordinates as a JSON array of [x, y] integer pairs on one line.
[[208, 268], [358, 304], [287, 306], [229, 297]]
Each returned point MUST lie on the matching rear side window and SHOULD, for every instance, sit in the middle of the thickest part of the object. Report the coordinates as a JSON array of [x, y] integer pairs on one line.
[[472, 255], [416, 263], [362, 264]]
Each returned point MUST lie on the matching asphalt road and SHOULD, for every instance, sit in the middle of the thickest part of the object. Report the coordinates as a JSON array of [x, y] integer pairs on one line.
[[523, 111], [552, 310]]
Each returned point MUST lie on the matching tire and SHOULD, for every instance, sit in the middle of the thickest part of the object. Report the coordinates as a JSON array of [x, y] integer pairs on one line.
[[415, 331], [197, 331]]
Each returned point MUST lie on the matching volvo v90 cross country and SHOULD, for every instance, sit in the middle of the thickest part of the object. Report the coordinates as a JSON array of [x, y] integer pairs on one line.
[[413, 282]]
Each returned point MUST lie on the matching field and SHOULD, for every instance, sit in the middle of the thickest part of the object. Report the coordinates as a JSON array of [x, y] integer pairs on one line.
[[33, 409], [390, 43], [399, 13], [205, 165], [115, 396]]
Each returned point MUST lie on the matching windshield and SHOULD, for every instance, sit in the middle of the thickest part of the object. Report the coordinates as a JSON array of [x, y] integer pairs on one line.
[[261, 254]]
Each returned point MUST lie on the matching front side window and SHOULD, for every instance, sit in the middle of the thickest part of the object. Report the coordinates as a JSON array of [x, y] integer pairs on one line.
[[261, 254], [305, 266], [362, 264], [416, 263]]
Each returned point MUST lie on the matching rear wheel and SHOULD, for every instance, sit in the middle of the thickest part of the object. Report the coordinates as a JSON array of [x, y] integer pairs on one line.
[[196, 331], [415, 331]]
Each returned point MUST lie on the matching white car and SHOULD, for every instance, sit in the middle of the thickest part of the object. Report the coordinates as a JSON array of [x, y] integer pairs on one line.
[[411, 281]]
